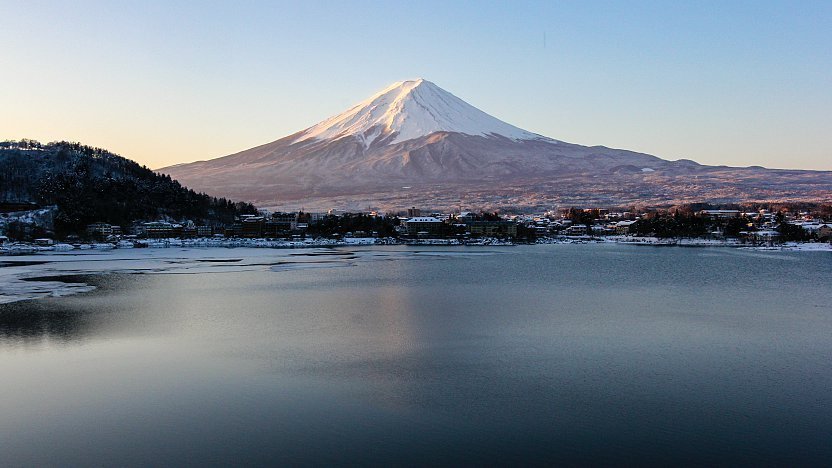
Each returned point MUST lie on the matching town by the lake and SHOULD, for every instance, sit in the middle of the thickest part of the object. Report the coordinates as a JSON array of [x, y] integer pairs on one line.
[[27, 229]]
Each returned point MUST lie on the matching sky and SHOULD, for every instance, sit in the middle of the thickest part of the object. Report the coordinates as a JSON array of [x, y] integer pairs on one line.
[[164, 82]]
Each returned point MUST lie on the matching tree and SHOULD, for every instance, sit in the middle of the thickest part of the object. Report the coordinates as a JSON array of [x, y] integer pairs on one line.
[[792, 233]]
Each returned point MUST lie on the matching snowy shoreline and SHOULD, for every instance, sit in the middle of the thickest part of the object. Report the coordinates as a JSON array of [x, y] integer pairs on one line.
[[20, 248], [29, 248]]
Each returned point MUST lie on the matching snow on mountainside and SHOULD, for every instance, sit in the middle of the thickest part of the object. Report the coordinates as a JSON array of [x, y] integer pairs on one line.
[[414, 143], [411, 109]]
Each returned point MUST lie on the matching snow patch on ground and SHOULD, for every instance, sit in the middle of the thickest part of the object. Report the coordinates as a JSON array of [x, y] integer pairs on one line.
[[801, 247]]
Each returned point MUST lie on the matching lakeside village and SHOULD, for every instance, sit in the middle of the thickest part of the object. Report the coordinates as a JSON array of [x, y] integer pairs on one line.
[[28, 231]]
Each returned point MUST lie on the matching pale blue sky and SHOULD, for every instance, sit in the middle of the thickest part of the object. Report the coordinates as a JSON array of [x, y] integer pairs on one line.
[[736, 83]]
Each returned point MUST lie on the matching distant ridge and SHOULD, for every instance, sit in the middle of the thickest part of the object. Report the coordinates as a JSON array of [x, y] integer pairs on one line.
[[448, 154]]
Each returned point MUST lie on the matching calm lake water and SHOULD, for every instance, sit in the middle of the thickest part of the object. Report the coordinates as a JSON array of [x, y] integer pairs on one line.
[[518, 355]]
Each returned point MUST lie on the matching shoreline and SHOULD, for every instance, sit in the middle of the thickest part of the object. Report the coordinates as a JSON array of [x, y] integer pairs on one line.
[[16, 249], [44, 273]]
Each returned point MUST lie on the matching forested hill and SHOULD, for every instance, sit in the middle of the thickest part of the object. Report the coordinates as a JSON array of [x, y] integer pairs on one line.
[[91, 184]]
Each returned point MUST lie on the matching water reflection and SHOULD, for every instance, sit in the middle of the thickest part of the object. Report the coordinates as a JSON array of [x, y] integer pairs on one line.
[[117, 307], [33, 322]]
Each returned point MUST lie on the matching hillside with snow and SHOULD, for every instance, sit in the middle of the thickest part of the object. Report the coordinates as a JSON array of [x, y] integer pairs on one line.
[[65, 186], [415, 143]]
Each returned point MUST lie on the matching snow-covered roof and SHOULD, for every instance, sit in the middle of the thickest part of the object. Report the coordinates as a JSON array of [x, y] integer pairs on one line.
[[814, 226], [423, 219]]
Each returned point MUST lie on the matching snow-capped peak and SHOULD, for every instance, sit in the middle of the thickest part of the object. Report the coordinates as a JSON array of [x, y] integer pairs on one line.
[[412, 109]]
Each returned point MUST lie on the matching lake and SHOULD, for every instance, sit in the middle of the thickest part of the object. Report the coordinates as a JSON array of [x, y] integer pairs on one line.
[[532, 355]]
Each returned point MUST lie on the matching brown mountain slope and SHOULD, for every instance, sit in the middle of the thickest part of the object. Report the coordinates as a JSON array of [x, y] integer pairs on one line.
[[416, 144]]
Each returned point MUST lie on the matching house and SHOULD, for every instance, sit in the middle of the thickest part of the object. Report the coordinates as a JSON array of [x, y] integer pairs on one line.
[[601, 230], [424, 226], [762, 236], [541, 229], [466, 217], [576, 230], [623, 227], [822, 231]]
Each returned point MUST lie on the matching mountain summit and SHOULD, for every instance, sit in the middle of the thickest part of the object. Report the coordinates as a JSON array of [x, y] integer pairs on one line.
[[414, 143], [411, 109]]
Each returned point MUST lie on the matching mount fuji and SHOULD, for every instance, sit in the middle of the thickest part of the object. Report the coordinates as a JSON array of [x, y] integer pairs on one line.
[[414, 143]]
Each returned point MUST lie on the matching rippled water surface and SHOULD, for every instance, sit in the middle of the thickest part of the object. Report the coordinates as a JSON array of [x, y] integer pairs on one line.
[[521, 355]]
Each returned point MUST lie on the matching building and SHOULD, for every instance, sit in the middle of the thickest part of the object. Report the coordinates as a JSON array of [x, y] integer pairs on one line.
[[601, 230], [720, 214], [250, 226], [822, 231], [493, 228], [316, 217], [282, 223], [100, 230], [189, 231], [623, 227], [158, 230], [576, 230], [204, 231], [767, 236], [414, 212], [424, 226], [466, 217]]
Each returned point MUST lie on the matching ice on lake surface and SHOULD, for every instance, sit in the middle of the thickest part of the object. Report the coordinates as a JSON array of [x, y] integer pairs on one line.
[[22, 277], [570, 354]]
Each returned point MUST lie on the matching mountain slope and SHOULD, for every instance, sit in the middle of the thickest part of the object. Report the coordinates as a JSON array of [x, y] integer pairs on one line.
[[414, 143]]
